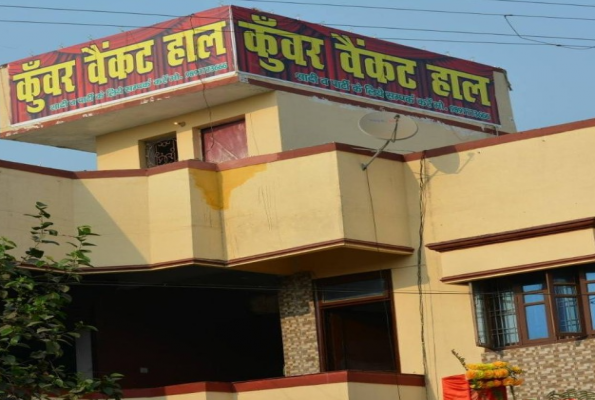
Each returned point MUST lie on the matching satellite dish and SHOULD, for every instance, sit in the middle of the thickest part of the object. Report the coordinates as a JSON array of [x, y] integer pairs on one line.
[[388, 126]]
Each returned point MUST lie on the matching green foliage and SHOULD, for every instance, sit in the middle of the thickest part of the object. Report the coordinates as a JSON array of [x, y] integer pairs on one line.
[[33, 331]]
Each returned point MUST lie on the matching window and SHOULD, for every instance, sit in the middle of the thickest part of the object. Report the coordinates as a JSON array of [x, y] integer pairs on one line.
[[160, 152], [356, 322], [535, 308], [224, 142]]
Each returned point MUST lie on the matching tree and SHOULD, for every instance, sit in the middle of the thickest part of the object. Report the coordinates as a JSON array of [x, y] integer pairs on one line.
[[33, 327]]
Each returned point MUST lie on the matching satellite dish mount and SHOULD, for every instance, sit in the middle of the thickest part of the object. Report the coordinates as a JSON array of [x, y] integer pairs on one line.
[[386, 126]]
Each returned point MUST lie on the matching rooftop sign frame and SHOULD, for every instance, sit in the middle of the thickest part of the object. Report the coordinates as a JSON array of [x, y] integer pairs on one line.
[[233, 40]]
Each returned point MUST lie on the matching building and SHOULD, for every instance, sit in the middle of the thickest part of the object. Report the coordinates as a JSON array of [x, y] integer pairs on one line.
[[246, 253]]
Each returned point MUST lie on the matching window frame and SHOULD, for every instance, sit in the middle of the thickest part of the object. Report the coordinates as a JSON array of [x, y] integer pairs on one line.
[[588, 317], [578, 295], [321, 307], [211, 130], [522, 305], [155, 140], [489, 311], [555, 334]]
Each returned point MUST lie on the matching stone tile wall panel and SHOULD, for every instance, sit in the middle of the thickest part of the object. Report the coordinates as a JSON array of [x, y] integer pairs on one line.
[[298, 325], [558, 366]]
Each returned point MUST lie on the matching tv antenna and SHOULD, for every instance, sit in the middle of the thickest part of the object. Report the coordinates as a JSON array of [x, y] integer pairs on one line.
[[386, 126]]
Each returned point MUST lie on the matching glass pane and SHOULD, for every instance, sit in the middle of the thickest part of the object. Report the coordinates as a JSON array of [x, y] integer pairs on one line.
[[533, 298], [501, 313], [533, 287], [536, 322], [480, 319], [225, 142], [591, 287], [353, 290], [568, 314], [590, 274], [563, 277], [564, 289], [592, 309], [359, 337]]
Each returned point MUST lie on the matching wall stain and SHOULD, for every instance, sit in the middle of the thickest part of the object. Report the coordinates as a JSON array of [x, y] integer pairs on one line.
[[217, 187]]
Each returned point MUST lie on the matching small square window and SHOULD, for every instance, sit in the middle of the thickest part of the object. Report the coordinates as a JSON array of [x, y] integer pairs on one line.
[[161, 152], [224, 142]]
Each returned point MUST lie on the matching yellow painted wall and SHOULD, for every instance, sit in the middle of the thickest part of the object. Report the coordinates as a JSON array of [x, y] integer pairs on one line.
[[5, 115], [236, 213], [207, 219], [366, 391], [278, 121], [268, 210], [330, 391], [118, 210], [446, 321], [310, 120], [263, 208], [190, 396], [511, 186], [20, 191], [519, 253], [338, 391], [170, 216], [374, 201], [335, 391], [124, 149]]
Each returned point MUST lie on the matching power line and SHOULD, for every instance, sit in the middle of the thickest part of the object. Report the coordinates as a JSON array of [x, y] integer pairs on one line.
[[487, 34], [330, 24], [16, 21], [546, 3], [394, 28], [361, 26], [469, 42], [331, 5], [524, 37], [421, 10], [90, 11]]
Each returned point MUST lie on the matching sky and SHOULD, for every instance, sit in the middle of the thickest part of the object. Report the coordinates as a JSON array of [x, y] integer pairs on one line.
[[547, 47]]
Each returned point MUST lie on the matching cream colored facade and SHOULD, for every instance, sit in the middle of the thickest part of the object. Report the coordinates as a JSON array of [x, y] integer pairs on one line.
[[455, 204], [323, 214]]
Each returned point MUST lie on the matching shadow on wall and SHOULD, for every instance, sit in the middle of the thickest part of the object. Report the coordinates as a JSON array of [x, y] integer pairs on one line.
[[186, 329]]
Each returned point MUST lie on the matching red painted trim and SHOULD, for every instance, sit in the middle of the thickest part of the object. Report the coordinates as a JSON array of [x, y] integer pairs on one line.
[[386, 378], [508, 138], [363, 103], [462, 278], [198, 387], [321, 245], [156, 266], [197, 164], [303, 152], [381, 378], [377, 245], [245, 260], [37, 170], [34, 125], [518, 234]]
